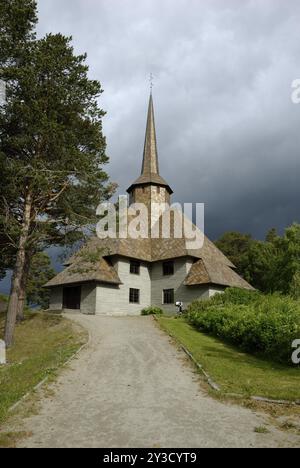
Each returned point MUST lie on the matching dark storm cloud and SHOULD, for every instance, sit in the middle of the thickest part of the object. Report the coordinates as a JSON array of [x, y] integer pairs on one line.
[[228, 132]]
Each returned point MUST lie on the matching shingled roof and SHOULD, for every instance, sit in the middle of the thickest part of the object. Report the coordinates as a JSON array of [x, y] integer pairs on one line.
[[210, 272], [164, 249], [82, 270], [211, 265], [155, 249]]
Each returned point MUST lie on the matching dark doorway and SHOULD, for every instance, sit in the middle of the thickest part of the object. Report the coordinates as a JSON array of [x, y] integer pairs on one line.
[[72, 298]]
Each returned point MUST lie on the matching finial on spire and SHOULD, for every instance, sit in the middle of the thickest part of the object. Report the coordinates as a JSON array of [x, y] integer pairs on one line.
[[151, 82]]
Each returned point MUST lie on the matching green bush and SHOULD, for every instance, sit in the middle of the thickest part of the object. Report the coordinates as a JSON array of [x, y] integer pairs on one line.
[[256, 323], [295, 286], [152, 311]]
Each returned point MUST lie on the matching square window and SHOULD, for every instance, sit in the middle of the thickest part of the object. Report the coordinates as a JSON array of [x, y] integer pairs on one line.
[[168, 268], [168, 296], [135, 267], [134, 296]]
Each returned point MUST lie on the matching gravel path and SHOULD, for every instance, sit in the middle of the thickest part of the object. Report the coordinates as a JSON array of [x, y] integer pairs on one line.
[[131, 387]]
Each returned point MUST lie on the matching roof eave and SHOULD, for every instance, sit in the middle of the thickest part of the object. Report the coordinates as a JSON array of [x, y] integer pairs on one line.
[[146, 184]]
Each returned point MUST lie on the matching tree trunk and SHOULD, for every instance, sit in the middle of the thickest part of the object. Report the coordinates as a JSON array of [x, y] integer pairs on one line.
[[18, 274], [23, 284]]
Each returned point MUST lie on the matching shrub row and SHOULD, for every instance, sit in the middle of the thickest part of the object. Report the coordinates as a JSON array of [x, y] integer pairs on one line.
[[152, 311], [259, 324]]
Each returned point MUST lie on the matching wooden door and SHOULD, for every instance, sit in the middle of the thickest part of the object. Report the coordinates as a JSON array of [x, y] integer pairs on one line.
[[72, 297]]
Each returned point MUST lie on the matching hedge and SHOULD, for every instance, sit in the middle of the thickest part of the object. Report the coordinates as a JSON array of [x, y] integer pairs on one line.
[[259, 324], [152, 311]]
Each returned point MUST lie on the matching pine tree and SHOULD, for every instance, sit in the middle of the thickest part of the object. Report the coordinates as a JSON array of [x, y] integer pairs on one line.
[[39, 274], [17, 22], [236, 245], [52, 150]]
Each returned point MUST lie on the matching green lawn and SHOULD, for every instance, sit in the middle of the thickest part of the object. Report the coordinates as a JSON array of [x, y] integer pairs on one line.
[[42, 344], [235, 371]]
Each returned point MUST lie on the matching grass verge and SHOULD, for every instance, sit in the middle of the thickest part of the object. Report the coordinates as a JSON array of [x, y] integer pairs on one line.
[[43, 343], [234, 371]]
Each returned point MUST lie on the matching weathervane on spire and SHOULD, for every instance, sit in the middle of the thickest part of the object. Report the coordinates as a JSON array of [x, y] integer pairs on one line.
[[151, 82]]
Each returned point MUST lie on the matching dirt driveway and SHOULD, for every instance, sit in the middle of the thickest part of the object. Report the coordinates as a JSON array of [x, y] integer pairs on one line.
[[131, 387]]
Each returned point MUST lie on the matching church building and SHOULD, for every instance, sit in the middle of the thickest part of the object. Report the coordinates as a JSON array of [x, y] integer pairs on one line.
[[122, 276]]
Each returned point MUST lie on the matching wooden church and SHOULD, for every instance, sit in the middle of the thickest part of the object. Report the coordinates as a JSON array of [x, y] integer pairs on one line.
[[131, 274]]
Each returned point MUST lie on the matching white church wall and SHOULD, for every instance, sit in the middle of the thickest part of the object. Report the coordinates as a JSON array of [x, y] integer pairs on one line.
[[108, 300], [105, 299], [56, 298], [88, 298], [216, 290], [192, 293], [185, 294], [114, 300]]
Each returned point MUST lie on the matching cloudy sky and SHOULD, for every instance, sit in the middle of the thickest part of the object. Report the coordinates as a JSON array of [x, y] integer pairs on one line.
[[228, 132]]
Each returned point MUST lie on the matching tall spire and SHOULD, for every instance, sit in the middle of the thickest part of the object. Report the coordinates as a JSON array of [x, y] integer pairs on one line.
[[150, 168], [150, 158]]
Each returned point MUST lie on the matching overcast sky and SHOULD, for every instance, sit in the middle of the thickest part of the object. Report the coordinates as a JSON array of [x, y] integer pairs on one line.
[[228, 132]]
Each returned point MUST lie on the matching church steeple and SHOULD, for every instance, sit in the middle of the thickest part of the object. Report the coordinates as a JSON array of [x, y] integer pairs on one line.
[[150, 158], [150, 168]]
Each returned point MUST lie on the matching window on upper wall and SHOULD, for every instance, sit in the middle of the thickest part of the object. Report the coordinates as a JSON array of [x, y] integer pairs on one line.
[[135, 267], [168, 296], [168, 268], [134, 296]]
